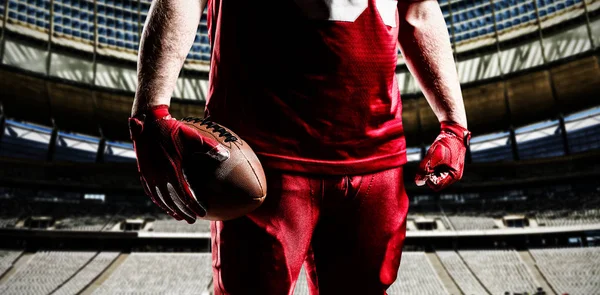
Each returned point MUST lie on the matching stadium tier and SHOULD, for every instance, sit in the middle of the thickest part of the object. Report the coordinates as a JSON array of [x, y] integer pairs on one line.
[[550, 210], [52, 269], [500, 270], [417, 276], [570, 271], [119, 22], [159, 273], [22, 140], [462, 275], [472, 25]]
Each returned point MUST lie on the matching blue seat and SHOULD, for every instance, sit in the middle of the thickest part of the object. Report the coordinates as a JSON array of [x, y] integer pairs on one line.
[[560, 6], [570, 2], [102, 39], [111, 42], [67, 31]]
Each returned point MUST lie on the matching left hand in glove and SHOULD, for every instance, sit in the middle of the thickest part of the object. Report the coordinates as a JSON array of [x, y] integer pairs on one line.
[[444, 162]]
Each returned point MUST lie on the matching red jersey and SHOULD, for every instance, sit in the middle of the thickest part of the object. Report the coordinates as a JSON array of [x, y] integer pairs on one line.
[[309, 84]]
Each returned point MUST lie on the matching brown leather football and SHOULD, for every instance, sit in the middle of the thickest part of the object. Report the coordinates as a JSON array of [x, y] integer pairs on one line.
[[230, 182]]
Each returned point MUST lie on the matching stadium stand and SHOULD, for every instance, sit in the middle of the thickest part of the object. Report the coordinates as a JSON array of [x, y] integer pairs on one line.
[[24, 140], [85, 223], [160, 273], [85, 276], [500, 271], [572, 271], [29, 141], [8, 222], [460, 273], [301, 284], [119, 22], [417, 277], [170, 225], [472, 222], [7, 258], [45, 272], [568, 218]]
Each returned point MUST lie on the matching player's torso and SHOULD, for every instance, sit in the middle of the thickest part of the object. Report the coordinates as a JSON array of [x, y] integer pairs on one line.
[[308, 74]]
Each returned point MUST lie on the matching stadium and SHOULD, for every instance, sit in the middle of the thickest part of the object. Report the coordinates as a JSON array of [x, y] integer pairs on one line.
[[525, 218]]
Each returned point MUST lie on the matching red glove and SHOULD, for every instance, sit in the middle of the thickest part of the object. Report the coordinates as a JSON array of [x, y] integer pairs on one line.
[[161, 145], [444, 162]]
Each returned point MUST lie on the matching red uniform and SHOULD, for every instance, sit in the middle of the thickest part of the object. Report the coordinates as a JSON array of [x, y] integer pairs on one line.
[[310, 85], [309, 94]]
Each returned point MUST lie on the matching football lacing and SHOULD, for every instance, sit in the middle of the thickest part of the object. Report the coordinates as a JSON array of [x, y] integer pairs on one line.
[[215, 127]]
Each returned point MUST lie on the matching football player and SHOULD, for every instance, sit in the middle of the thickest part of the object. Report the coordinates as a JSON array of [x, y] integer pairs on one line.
[[311, 86]]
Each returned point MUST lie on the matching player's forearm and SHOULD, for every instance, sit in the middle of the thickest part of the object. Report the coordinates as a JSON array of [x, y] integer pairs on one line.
[[425, 44], [168, 34]]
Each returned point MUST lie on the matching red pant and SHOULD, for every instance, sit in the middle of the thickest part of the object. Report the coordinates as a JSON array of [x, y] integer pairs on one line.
[[355, 226]]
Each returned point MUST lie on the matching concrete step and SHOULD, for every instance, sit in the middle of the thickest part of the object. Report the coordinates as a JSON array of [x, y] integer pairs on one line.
[[443, 274], [21, 262], [535, 271], [104, 275]]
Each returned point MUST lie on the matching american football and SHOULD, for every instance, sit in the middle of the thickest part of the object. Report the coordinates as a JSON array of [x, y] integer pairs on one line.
[[232, 186]]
